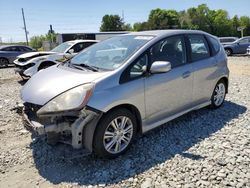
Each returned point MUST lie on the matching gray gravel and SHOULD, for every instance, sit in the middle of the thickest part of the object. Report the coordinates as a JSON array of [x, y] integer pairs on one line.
[[205, 148]]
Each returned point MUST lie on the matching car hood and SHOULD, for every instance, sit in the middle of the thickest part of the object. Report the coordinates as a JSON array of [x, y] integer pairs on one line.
[[35, 54], [48, 83]]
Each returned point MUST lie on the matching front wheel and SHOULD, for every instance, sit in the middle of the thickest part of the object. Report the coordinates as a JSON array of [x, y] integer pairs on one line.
[[114, 133], [219, 94]]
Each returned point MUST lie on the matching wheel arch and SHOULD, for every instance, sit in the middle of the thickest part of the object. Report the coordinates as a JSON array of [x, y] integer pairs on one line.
[[133, 110], [225, 79], [90, 130]]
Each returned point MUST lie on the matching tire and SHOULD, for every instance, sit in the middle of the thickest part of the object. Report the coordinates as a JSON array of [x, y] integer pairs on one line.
[[228, 51], [108, 147], [4, 62], [219, 94]]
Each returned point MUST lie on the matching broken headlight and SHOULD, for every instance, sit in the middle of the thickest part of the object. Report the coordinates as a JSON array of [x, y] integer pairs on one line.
[[72, 99]]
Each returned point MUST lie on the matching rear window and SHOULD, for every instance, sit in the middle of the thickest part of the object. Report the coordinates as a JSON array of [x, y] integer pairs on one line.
[[199, 47]]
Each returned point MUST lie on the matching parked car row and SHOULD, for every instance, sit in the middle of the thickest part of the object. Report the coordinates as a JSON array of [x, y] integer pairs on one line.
[[30, 63], [233, 45], [110, 92]]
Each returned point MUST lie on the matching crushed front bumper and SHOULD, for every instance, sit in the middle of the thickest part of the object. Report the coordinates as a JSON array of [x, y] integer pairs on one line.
[[20, 69], [73, 128], [33, 126]]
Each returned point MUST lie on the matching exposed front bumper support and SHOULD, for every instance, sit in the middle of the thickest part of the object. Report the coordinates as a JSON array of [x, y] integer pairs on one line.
[[85, 118]]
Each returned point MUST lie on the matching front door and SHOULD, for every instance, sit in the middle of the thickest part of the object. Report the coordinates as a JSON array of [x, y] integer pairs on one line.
[[168, 93]]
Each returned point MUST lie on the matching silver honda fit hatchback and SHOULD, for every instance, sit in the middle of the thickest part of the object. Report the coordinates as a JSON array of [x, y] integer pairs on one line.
[[125, 86]]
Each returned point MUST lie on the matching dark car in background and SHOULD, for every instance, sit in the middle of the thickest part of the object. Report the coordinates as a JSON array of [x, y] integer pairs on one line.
[[238, 47], [8, 53]]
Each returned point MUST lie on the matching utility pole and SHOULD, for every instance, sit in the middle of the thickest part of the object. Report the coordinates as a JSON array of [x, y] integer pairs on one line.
[[123, 15], [25, 29], [51, 36]]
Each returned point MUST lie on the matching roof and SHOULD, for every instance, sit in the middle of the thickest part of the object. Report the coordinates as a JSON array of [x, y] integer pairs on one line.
[[167, 32], [4, 46], [228, 37], [82, 40]]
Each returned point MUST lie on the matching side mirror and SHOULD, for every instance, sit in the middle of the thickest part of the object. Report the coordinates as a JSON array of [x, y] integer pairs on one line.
[[71, 51], [160, 67]]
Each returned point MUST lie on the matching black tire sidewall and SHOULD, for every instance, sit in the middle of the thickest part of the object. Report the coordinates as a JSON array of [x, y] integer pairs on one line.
[[6, 62], [98, 146], [213, 105], [228, 52]]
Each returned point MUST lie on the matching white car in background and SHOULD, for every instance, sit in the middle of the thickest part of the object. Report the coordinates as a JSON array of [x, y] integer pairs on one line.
[[30, 63]]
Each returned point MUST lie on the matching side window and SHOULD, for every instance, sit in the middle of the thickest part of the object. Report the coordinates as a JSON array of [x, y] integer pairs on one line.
[[171, 49], [244, 41], [215, 44], [87, 44], [22, 49], [25, 49], [139, 67], [77, 47], [80, 46], [9, 49], [12, 49], [199, 47]]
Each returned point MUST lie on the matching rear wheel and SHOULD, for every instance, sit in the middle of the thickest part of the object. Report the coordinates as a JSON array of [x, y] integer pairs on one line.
[[228, 51], [219, 94], [114, 133], [4, 62]]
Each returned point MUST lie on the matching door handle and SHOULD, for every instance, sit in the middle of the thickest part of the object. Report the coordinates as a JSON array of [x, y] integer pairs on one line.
[[186, 74]]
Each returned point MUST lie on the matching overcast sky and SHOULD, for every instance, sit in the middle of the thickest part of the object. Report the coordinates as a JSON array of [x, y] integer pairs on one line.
[[85, 15]]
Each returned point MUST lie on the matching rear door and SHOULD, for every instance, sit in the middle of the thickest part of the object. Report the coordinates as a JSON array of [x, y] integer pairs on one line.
[[204, 67]]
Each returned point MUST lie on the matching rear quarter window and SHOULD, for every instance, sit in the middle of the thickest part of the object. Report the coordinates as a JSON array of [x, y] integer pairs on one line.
[[215, 45], [199, 47]]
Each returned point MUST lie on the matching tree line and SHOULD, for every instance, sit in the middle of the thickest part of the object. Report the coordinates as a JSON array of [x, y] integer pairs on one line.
[[216, 22]]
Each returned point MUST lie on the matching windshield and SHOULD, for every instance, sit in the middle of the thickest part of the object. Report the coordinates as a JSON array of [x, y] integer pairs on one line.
[[111, 53], [62, 47]]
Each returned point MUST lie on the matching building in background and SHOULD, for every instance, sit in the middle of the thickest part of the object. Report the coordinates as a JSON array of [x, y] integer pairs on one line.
[[63, 37]]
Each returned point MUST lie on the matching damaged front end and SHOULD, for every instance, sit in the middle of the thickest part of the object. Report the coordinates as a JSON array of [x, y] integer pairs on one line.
[[75, 128]]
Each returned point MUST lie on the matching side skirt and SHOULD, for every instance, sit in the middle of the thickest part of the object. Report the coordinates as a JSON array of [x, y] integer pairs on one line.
[[146, 128]]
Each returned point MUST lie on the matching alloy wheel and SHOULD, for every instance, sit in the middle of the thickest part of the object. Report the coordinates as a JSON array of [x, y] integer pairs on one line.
[[219, 95], [118, 134]]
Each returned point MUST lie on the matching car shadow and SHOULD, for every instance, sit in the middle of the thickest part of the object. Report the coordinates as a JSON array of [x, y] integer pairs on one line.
[[152, 149]]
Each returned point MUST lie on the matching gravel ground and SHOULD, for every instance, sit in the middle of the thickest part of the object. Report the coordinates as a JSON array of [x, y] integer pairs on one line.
[[205, 148]]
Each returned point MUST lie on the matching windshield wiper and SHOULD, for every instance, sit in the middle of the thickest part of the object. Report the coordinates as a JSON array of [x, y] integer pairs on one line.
[[93, 68]]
